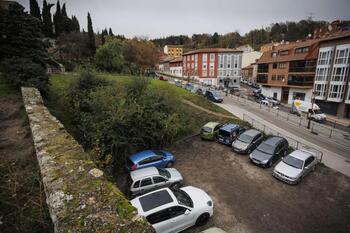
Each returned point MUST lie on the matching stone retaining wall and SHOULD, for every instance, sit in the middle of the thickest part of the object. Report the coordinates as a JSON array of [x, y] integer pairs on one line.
[[79, 198]]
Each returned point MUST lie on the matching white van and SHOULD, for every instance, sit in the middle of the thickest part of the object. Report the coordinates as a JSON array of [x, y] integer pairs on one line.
[[303, 108]]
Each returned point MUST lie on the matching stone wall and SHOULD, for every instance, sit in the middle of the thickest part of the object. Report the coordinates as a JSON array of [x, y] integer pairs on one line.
[[79, 198]]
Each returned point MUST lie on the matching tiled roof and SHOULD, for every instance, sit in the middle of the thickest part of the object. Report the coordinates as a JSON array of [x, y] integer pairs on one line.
[[248, 67], [213, 50], [267, 57], [176, 59], [336, 35]]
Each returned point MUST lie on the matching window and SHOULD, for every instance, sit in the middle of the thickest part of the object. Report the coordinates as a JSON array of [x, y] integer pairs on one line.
[[309, 161], [146, 182], [273, 77], [302, 50], [204, 57], [336, 91], [158, 179], [339, 74], [284, 52], [212, 57], [342, 56], [282, 65], [137, 184], [273, 54], [211, 73], [298, 96], [274, 66], [204, 73], [320, 90], [275, 95], [204, 66], [166, 214], [280, 77]]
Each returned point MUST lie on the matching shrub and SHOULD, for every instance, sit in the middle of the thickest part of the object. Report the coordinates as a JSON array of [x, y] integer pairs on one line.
[[24, 72]]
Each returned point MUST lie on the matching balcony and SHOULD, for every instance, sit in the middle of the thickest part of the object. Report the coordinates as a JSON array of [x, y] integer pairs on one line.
[[300, 80], [302, 66], [261, 78]]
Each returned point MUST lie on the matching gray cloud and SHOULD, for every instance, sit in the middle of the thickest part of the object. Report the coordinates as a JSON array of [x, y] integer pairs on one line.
[[156, 18]]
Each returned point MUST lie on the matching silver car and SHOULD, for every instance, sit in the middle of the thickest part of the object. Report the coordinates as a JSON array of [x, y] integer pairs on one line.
[[151, 178], [292, 168], [247, 141]]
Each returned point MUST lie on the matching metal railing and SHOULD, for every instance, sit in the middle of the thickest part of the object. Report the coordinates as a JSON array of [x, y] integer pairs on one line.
[[293, 143]]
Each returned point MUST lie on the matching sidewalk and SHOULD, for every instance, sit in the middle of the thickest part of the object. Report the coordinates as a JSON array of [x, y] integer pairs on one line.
[[331, 159], [339, 120]]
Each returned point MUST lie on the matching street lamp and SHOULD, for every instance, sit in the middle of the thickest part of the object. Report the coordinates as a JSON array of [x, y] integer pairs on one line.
[[312, 108]]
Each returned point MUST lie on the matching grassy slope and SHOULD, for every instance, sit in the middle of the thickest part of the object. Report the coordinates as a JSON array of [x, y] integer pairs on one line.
[[60, 83]]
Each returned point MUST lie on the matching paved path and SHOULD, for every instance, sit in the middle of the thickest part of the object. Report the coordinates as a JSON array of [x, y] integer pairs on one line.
[[208, 111], [334, 156]]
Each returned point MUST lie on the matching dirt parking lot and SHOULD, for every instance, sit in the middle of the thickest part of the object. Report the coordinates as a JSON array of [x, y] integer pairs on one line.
[[248, 199]]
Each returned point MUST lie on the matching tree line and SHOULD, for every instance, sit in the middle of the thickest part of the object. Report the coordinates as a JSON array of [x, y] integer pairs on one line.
[[288, 31]]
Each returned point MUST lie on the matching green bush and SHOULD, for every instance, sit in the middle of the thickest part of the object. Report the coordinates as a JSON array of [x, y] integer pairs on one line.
[[118, 120], [24, 72]]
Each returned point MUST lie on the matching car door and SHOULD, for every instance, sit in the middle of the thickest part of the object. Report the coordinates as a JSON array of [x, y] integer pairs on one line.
[[159, 220], [278, 152], [256, 141], [135, 188], [146, 185], [308, 165], [160, 182], [181, 219], [155, 161]]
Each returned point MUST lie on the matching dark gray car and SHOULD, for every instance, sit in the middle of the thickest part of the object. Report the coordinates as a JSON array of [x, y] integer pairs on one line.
[[269, 151], [247, 141]]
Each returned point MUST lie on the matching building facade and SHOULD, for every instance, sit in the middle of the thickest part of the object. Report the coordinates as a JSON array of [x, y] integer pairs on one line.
[[213, 66], [176, 66], [250, 57], [287, 71], [173, 50], [332, 82]]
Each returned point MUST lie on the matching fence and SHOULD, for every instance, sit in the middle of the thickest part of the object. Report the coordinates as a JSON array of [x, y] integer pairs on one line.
[[295, 144]]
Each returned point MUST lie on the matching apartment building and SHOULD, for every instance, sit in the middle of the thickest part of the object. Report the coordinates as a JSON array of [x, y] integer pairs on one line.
[[173, 50], [332, 82], [176, 66], [287, 71], [249, 73], [213, 66]]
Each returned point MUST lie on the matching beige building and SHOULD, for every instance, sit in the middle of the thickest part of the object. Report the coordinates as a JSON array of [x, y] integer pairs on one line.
[[173, 50]]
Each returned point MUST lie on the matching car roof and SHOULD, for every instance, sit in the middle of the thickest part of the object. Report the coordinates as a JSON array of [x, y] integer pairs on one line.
[[141, 155], [143, 172], [154, 201], [211, 124], [301, 154], [252, 132], [274, 140], [229, 127]]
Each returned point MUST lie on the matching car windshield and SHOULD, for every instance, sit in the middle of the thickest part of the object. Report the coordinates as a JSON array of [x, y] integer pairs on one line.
[[224, 133], [206, 129], [163, 172], [216, 95], [245, 138], [317, 111], [292, 161], [182, 197], [266, 148]]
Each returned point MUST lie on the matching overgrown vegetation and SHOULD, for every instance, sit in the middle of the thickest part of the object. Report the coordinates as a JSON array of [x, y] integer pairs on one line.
[[117, 116], [23, 53]]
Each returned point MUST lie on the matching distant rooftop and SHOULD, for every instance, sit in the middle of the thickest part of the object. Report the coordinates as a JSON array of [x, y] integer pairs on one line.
[[213, 50]]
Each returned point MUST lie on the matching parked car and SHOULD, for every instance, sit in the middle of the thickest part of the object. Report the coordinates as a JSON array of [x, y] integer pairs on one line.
[[247, 141], [213, 96], [189, 86], [210, 130], [273, 100], [228, 133], [148, 179], [163, 78], [269, 151], [201, 91], [174, 210], [150, 158], [295, 166], [213, 230]]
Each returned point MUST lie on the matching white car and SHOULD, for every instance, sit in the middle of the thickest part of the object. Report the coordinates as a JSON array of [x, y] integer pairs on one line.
[[148, 179], [292, 168], [171, 210]]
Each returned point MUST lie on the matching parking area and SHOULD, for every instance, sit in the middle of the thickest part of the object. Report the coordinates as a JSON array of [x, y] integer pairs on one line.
[[248, 199]]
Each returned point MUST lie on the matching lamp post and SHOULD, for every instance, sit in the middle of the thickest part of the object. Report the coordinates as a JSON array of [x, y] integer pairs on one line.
[[312, 108]]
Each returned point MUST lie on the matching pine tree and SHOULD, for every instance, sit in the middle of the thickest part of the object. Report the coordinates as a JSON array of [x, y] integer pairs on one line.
[[58, 20], [34, 9], [110, 32], [75, 24], [104, 34], [47, 19], [64, 11], [91, 35]]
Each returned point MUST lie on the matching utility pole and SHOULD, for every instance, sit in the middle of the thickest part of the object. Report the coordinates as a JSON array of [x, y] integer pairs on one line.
[[312, 108]]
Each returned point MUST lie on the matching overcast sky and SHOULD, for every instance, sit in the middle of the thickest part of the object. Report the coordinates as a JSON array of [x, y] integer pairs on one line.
[[158, 18]]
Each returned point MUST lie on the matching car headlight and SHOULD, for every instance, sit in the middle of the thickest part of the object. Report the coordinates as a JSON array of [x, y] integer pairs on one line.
[[209, 203]]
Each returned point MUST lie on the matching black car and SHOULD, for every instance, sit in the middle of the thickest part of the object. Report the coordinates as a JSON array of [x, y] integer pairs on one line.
[[213, 96], [269, 151], [228, 133], [247, 141]]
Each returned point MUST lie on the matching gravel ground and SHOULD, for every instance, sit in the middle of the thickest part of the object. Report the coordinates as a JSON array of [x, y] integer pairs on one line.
[[248, 199]]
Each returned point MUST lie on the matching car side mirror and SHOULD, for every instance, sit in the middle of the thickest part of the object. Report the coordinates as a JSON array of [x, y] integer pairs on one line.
[[187, 212]]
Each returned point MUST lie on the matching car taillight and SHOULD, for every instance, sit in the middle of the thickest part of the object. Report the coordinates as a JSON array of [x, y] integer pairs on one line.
[[134, 167]]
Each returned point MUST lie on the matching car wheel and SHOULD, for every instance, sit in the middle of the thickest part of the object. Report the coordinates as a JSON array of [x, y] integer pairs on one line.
[[202, 219], [170, 164], [269, 164]]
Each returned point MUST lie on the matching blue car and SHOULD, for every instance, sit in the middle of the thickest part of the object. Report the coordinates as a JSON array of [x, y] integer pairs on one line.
[[150, 158], [228, 133]]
